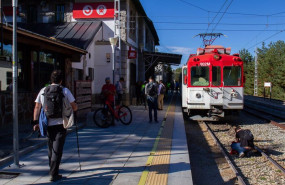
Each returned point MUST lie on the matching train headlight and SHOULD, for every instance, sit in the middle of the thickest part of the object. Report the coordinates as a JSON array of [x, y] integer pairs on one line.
[[216, 57], [198, 95], [233, 94]]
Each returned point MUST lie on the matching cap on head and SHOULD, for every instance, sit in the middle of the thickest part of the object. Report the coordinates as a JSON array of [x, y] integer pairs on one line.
[[107, 79]]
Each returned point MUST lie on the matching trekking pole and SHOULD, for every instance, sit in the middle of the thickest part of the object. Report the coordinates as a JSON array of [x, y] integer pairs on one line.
[[76, 130]]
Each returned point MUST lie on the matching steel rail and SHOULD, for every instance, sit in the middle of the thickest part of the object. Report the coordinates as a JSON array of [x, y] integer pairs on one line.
[[238, 175], [253, 112], [275, 164]]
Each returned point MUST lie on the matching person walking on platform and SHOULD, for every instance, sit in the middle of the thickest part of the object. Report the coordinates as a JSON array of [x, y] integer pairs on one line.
[[244, 141], [120, 90], [161, 92], [151, 96], [50, 100]]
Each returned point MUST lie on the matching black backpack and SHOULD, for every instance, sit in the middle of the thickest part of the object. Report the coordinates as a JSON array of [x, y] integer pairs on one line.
[[53, 98], [153, 90], [162, 90], [248, 135]]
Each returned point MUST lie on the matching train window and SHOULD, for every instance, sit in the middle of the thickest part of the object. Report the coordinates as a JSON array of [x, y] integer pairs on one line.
[[185, 76], [232, 76], [216, 75], [200, 76]]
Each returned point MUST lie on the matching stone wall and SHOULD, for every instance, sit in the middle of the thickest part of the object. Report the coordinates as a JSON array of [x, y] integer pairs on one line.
[[25, 108]]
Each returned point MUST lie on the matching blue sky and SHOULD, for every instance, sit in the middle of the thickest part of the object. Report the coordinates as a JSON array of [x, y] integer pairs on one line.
[[246, 23]]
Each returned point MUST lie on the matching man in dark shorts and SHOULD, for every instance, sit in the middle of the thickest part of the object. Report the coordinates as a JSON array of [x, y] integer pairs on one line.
[[244, 141]]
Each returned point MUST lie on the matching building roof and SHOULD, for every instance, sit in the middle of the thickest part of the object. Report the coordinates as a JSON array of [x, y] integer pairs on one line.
[[147, 20], [79, 34], [23, 33]]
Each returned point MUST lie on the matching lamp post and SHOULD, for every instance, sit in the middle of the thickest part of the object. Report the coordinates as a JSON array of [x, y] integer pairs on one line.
[[113, 42], [15, 86]]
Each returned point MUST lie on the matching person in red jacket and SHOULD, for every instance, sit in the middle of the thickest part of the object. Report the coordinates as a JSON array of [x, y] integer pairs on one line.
[[109, 91]]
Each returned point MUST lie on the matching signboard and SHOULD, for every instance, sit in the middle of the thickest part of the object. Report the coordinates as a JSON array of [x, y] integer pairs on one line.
[[132, 54], [267, 84], [93, 10], [8, 10]]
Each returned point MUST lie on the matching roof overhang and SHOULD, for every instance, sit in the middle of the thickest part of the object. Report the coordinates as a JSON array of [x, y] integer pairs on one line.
[[153, 58], [41, 42]]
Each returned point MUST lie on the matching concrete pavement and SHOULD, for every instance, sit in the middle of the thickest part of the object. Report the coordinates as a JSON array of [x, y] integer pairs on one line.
[[116, 155]]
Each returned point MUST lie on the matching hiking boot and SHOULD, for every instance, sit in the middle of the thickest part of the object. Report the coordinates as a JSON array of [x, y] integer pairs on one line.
[[55, 178], [241, 155]]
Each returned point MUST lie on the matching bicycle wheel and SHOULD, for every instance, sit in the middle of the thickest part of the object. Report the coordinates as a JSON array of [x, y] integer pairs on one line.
[[125, 115], [103, 118]]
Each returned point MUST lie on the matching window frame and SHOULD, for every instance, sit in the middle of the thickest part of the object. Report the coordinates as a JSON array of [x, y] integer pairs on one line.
[[207, 79], [240, 76]]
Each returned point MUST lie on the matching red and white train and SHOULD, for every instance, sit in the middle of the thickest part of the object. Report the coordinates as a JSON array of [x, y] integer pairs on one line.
[[212, 84]]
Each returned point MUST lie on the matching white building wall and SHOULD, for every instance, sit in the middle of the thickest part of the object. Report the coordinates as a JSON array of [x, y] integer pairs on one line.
[[96, 57]]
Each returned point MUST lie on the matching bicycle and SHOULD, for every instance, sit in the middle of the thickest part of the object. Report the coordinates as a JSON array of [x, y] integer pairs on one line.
[[103, 117]]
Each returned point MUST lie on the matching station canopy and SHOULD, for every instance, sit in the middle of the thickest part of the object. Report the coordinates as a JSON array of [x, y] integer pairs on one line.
[[152, 59]]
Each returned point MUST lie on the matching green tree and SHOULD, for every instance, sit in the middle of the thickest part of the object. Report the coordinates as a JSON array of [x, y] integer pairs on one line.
[[271, 68], [248, 60], [177, 74]]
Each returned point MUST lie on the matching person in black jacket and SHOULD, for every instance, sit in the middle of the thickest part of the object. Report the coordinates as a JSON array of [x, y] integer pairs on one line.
[[244, 141], [151, 96]]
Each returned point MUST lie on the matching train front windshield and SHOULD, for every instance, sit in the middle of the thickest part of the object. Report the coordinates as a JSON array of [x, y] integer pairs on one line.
[[200, 76], [232, 76]]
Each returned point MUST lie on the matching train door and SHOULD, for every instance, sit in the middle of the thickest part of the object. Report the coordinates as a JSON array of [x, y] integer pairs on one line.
[[233, 87], [184, 87], [216, 87]]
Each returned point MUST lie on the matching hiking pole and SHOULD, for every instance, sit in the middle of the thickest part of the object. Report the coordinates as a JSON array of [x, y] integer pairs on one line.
[[76, 130]]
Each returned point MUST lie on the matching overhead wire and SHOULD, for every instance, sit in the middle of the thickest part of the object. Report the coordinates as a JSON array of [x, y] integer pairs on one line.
[[222, 16], [216, 16], [266, 39], [234, 13], [225, 24]]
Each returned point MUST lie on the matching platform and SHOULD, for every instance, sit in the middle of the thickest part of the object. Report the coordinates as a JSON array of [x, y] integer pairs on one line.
[[141, 153]]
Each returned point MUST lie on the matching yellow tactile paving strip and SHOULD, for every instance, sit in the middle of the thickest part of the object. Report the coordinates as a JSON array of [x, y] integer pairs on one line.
[[156, 172]]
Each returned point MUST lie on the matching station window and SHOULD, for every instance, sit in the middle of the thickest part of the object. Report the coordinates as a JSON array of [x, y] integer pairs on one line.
[[59, 14], [216, 75], [232, 76], [200, 76], [184, 76]]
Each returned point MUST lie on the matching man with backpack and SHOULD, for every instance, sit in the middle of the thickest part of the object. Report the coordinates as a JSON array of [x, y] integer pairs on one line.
[[50, 99], [161, 92], [151, 96], [244, 141]]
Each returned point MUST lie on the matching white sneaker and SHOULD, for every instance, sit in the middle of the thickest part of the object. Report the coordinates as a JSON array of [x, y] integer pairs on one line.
[[241, 154]]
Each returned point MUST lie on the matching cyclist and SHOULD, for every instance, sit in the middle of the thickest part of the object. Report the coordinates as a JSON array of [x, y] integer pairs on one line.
[[109, 91]]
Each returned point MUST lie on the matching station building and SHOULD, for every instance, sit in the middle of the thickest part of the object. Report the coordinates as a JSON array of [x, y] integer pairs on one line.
[[87, 26]]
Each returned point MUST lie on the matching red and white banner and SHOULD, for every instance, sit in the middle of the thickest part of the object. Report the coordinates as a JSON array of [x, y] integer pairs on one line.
[[132, 54], [93, 10]]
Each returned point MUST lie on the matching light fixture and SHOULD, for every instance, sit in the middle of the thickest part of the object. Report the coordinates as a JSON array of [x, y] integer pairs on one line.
[[108, 57], [113, 41]]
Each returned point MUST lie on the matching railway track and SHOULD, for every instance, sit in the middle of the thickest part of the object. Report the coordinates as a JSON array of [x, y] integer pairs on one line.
[[265, 169]]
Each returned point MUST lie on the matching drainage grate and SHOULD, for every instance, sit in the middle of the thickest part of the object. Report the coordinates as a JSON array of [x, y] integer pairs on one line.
[[8, 175]]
